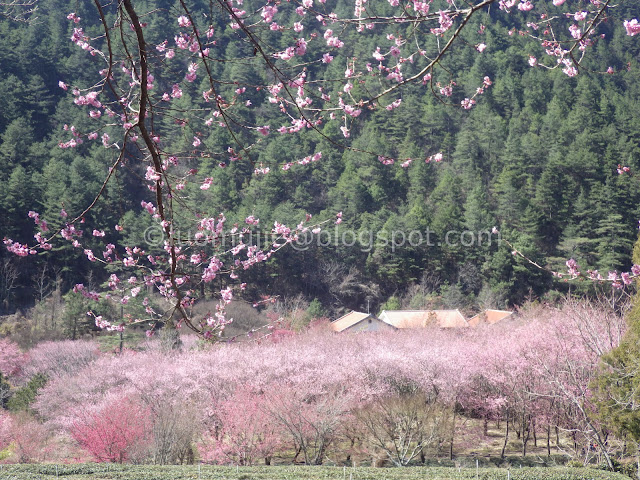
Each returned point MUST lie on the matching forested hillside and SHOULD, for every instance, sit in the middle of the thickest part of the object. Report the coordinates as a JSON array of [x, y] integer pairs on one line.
[[537, 157]]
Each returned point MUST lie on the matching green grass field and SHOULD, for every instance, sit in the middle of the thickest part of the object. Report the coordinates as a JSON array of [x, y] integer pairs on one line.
[[207, 472]]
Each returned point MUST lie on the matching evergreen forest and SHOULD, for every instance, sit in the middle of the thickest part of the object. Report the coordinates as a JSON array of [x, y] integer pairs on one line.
[[538, 157]]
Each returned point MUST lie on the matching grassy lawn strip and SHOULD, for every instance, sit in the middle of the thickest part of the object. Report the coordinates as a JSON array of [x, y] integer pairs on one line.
[[189, 472]]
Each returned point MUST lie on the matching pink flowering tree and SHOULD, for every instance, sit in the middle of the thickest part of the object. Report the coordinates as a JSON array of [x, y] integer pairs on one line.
[[12, 360], [567, 362], [244, 432], [5, 430], [312, 422], [115, 432], [31, 441], [405, 426], [55, 359]]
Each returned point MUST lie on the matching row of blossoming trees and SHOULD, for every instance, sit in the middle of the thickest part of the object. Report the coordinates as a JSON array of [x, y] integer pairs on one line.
[[319, 397]]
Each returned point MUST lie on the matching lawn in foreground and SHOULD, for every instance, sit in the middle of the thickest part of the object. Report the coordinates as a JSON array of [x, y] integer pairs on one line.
[[204, 472]]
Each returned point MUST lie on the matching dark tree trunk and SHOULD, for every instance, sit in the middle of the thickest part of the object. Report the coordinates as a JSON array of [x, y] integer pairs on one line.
[[526, 432], [506, 439], [75, 328], [295, 458], [453, 434]]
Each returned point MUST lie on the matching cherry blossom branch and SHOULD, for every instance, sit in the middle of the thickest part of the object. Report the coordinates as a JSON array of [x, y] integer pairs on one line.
[[618, 281], [151, 147]]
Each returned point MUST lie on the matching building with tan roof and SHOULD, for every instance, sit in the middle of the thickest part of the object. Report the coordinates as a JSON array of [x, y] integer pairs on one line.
[[424, 318], [489, 317], [359, 322]]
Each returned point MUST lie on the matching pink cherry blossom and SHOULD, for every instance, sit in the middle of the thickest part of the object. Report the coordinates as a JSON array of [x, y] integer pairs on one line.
[[447, 91], [393, 105], [632, 27], [573, 267], [206, 184], [579, 16], [434, 158], [467, 103], [176, 91]]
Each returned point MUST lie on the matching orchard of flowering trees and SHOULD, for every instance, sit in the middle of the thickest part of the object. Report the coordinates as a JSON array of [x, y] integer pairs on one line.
[[394, 398]]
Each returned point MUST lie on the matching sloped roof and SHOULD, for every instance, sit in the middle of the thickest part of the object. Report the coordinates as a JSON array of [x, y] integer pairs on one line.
[[348, 320], [451, 319], [489, 317], [424, 318]]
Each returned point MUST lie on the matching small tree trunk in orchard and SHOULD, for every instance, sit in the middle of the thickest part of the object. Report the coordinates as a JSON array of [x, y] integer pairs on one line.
[[320, 455], [352, 442], [295, 457], [506, 439], [548, 440], [453, 434], [526, 433]]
